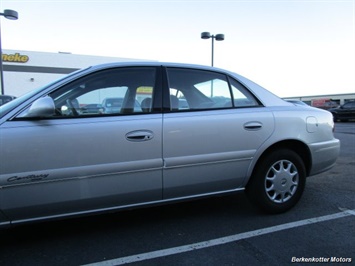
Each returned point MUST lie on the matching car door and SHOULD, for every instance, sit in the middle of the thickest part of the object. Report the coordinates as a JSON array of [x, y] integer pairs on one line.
[[82, 159], [211, 133]]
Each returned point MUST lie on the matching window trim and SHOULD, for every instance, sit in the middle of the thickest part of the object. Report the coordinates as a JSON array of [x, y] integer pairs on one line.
[[166, 100], [156, 95]]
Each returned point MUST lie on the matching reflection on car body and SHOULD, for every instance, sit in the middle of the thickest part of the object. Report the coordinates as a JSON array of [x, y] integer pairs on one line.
[[179, 132]]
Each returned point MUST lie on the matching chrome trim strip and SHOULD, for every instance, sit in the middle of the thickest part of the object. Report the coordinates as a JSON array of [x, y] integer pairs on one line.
[[207, 163], [95, 171]]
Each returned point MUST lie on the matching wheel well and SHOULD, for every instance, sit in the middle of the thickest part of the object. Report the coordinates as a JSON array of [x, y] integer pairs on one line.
[[297, 146]]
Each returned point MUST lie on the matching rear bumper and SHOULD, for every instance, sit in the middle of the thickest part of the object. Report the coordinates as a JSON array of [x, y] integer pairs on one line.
[[324, 155]]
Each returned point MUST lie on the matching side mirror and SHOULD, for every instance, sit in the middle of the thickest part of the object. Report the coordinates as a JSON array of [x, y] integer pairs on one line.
[[42, 107]]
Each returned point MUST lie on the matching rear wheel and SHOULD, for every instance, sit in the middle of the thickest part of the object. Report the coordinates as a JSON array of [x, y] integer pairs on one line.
[[278, 181], [336, 118]]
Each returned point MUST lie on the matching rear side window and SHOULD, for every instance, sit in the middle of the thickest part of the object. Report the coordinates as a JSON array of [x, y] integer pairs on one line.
[[198, 90], [203, 90]]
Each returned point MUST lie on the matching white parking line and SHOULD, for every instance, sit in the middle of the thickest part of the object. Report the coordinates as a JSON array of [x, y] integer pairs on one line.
[[222, 240]]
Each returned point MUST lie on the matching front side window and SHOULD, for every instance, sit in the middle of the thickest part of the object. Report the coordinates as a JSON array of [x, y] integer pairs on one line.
[[113, 91]]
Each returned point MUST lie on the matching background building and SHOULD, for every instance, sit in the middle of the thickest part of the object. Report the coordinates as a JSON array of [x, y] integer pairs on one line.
[[325, 101], [27, 70]]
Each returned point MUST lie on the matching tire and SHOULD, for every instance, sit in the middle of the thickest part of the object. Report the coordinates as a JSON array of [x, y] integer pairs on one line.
[[335, 117], [278, 181]]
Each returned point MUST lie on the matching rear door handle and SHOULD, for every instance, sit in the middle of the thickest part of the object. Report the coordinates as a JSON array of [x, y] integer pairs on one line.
[[139, 135], [253, 125]]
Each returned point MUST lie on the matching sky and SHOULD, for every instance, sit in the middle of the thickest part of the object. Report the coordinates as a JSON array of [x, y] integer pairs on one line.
[[290, 47]]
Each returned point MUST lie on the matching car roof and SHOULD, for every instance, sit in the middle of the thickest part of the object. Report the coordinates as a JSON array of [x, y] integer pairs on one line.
[[157, 64]]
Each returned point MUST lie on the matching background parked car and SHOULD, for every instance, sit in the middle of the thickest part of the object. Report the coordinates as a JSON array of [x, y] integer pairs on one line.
[[114, 105], [324, 103], [5, 99], [92, 108], [344, 112]]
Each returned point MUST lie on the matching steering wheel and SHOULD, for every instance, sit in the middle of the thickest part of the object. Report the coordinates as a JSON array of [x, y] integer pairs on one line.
[[71, 107]]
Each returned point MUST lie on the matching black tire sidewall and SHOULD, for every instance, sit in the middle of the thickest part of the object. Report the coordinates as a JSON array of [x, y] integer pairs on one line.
[[256, 186]]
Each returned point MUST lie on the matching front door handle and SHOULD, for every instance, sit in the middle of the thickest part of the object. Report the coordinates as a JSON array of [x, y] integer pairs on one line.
[[139, 135], [254, 125]]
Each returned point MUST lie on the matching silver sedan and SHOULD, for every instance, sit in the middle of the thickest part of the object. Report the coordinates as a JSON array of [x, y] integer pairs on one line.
[[173, 132]]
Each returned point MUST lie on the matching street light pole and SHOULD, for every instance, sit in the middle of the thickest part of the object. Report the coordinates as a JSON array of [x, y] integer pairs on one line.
[[219, 37], [13, 15], [212, 55]]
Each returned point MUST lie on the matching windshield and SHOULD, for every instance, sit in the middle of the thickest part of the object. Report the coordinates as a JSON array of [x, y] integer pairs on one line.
[[6, 108]]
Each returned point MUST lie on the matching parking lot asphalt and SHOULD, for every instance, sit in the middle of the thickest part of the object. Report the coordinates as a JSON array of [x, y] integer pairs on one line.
[[224, 230]]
